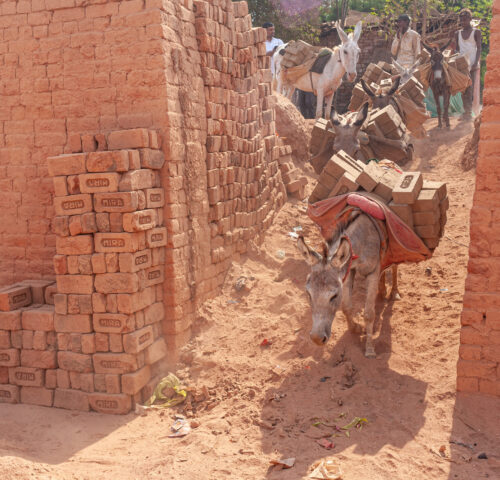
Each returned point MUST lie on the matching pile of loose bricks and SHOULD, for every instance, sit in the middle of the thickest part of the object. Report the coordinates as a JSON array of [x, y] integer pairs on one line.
[[294, 181], [421, 204], [245, 187], [100, 345]]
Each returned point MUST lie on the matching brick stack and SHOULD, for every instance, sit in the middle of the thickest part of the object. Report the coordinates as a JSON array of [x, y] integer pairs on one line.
[[295, 183], [421, 204], [245, 187], [298, 52], [109, 269]]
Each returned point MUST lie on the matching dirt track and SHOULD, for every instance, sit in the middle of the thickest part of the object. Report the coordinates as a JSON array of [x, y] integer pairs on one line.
[[263, 400]]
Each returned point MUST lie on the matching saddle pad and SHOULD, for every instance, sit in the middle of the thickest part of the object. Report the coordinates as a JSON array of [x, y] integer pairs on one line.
[[321, 60]]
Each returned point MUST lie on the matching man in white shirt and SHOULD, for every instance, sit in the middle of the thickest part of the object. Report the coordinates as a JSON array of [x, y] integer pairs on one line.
[[406, 44], [272, 43]]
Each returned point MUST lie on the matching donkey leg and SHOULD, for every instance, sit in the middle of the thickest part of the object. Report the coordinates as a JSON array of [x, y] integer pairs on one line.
[[347, 307], [319, 105], [438, 109], [394, 290], [329, 101], [371, 295], [446, 106], [382, 290]]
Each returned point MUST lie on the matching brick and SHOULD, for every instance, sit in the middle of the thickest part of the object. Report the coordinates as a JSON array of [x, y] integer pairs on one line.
[[117, 283], [61, 303], [10, 320], [73, 185], [73, 323], [107, 162], [114, 363], [39, 340], [16, 339], [71, 399], [134, 138], [117, 202], [38, 359], [69, 164], [132, 383], [115, 343], [51, 378], [75, 362], [102, 222], [427, 200], [427, 231], [156, 237], [140, 220], [60, 226], [408, 188], [4, 375], [38, 318], [467, 384], [154, 313], [79, 245], [113, 383], [470, 352], [118, 404], [113, 322], [98, 263], [60, 186], [440, 187], [73, 204], [50, 291], [426, 218], [9, 357], [37, 289], [99, 182], [136, 180], [155, 352], [137, 341], [154, 275], [4, 339], [14, 297], [37, 396], [119, 242], [32, 377], [62, 379], [153, 159], [386, 184], [9, 394], [403, 211], [133, 262], [101, 342], [132, 302], [482, 369], [88, 343], [82, 284], [28, 339], [490, 387]]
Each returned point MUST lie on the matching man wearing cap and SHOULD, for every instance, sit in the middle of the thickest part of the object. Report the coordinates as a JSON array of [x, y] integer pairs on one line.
[[272, 43], [406, 44]]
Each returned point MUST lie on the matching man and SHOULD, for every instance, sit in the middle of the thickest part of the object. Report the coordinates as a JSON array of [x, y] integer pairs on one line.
[[467, 41], [406, 44], [271, 43]]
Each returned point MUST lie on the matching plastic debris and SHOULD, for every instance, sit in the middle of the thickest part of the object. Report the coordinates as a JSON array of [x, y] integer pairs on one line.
[[280, 254], [265, 343], [240, 283], [169, 391], [443, 290], [325, 443], [324, 379], [482, 456], [298, 228], [293, 235], [326, 469], [283, 463], [180, 427]]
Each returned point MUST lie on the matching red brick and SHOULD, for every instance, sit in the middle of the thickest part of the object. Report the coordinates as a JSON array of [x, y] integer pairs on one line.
[[155, 197], [141, 220], [133, 262], [73, 187], [70, 164], [51, 378], [75, 362], [73, 204], [87, 382], [155, 352], [99, 182], [154, 313], [490, 387], [113, 404], [40, 340], [134, 138], [117, 283], [37, 289], [71, 399], [156, 237], [50, 291], [60, 226], [60, 186], [102, 221], [116, 202], [114, 363], [62, 379], [9, 357], [4, 375], [79, 245], [112, 383], [107, 162], [153, 159], [82, 284], [132, 302], [14, 297], [482, 369], [471, 336], [115, 343], [32, 377], [119, 242], [133, 382], [154, 275], [61, 303], [72, 323], [9, 394], [40, 318], [111, 260], [491, 353], [137, 341], [37, 396], [4, 340], [136, 180], [113, 322], [38, 359], [10, 320]]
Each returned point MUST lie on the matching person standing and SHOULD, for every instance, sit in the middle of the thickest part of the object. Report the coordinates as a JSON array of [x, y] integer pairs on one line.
[[406, 44], [467, 41], [272, 43]]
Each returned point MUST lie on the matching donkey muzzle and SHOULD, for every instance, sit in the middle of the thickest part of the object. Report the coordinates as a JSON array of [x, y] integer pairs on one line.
[[351, 76]]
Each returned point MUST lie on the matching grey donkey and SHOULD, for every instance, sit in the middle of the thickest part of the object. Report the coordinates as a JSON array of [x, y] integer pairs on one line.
[[346, 131], [383, 99], [353, 250]]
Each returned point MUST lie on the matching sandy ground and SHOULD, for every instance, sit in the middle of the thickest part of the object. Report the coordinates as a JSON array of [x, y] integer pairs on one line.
[[264, 402]]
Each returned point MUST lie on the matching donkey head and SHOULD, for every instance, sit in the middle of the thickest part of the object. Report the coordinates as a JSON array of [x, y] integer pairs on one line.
[[346, 131], [382, 100], [437, 58], [349, 50], [324, 284], [406, 72]]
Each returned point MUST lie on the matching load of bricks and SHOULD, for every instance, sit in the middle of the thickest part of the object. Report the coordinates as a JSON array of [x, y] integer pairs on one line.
[[103, 337], [245, 187], [420, 203], [298, 52], [295, 183]]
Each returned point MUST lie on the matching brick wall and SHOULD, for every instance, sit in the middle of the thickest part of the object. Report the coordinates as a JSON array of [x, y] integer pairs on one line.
[[479, 363], [193, 71]]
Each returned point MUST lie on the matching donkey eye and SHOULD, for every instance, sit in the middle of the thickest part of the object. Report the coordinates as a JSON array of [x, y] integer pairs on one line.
[[333, 298]]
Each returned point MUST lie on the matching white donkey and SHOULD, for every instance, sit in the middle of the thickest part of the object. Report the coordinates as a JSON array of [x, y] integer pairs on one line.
[[344, 59], [406, 72]]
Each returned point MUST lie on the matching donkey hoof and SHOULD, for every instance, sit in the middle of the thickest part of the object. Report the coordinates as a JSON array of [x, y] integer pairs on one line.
[[395, 296], [370, 352]]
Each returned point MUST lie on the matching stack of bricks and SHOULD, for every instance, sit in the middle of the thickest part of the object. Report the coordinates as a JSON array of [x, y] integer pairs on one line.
[[109, 269], [298, 52], [373, 75], [413, 90], [295, 183], [421, 204], [245, 187]]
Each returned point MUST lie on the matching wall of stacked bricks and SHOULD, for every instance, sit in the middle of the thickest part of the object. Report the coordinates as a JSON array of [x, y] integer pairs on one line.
[[191, 77], [479, 363]]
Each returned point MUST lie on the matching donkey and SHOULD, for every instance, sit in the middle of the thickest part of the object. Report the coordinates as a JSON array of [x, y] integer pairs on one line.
[[343, 60], [438, 84], [347, 129], [354, 249], [281, 85], [406, 72], [383, 99]]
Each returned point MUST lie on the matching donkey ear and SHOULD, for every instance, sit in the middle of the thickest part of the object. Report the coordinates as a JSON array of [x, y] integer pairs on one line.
[[367, 89], [342, 255], [311, 256], [357, 31], [414, 67], [361, 116], [343, 36], [446, 46], [395, 86], [335, 118], [429, 49], [398, 66]]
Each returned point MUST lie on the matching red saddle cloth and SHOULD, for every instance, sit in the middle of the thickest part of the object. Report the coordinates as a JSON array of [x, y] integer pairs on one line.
[[403, 244]]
